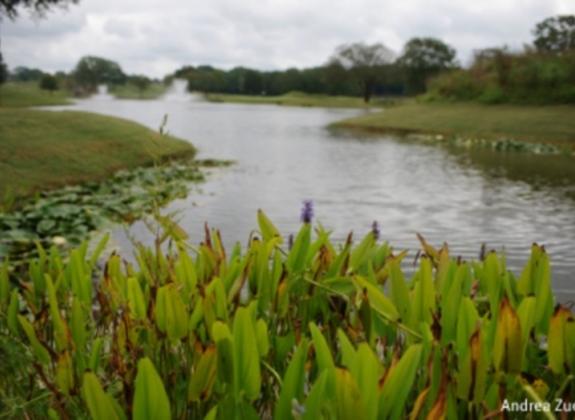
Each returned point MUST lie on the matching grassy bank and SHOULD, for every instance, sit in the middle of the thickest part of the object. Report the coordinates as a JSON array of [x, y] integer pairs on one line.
[[541, 124], [20, 95], [130, 91], [297, 99], [42, 150]]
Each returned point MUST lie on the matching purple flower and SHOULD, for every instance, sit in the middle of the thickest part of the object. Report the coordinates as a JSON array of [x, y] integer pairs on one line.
[[307, 211], [375, 230]]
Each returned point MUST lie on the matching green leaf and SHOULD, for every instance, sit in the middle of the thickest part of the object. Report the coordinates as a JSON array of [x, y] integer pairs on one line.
[[95, 354], [38, 348], [60, 327], [399, 292], [348, 353], [65, 373], [507, 354], [424, 297], [322, 352], [558, 341], [362, 252], [377, 300], [171, 314], [262, 337], [317, 398], [4, 285], [13, 309], [246, 357], [203, 376], [225, 348], [398, 384], [150, 399], [348, 397], [100, 405], [78, 324], [298, 254], [267, 228], [136, 301], [293, 383], [366, 372]]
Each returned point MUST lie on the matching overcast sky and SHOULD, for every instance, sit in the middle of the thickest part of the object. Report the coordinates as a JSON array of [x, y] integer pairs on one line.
[[155, 37]]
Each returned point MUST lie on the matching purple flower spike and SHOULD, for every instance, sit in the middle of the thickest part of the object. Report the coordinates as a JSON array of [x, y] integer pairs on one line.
[[375, 230], [307, 211]]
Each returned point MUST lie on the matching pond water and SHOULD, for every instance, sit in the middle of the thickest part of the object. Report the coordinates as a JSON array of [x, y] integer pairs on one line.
[[286, 155]]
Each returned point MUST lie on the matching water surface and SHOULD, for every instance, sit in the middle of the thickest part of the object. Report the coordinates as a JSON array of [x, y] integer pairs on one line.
[[287, 154]]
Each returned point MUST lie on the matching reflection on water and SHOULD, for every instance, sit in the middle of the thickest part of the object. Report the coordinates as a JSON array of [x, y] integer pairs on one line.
[[286, 155]]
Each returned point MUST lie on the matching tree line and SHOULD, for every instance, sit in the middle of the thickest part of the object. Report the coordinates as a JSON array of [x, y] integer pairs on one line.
[[356, 69], [544, 71]]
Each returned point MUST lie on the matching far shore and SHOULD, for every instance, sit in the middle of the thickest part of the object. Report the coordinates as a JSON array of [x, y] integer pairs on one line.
[[549, 124]]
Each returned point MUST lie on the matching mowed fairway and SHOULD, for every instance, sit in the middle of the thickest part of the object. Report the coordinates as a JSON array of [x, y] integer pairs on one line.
[[549, 124], [18, 95], [297, 99], [41, 149]]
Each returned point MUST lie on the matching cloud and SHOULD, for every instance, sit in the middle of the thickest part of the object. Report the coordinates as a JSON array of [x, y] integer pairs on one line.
[[157, 36]]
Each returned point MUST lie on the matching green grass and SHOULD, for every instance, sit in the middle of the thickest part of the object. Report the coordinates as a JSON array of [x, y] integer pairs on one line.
[[547, 124], [297, 99], [42, 150], [20, 95], [130, 91]]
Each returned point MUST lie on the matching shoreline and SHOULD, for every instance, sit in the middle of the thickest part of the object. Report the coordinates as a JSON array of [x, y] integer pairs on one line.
[[553, 126]]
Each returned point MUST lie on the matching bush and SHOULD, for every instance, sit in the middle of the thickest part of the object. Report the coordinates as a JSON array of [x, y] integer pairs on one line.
[[493, 95], [49, 83], [498, 76], [307, 329]]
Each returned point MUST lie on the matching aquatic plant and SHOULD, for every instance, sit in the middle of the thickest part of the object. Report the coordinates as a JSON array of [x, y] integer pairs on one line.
[[319, 330], [66, 216]]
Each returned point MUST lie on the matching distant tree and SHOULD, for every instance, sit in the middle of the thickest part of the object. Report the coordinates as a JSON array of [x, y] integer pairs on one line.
[[363, 63], [49, 83], [26, 74], [10, 7], [92, 71], [423, 58], [141, 82], [497, 60], [555, 34], [3, 71]]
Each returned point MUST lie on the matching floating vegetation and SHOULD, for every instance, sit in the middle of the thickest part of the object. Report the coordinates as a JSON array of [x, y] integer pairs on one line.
[[318, 331], [67, 215], [506, 145]]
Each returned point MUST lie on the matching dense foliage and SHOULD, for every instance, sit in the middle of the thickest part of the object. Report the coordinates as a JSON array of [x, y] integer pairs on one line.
[[3, 71], [500, 76], [303, 331], [92, 71], [331, 79], [555, 34], [68, 215], [49, 83], [423, 58], [363, 63]]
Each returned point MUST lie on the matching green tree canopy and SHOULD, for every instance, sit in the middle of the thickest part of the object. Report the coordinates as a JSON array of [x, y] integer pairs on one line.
[[555, 34], [49, 83], [364, 63], [92, 71], [3, 71], [423, 58]]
